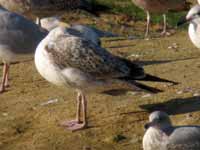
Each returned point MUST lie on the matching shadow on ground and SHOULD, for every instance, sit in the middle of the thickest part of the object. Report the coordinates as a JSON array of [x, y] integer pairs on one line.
[[176, 106]]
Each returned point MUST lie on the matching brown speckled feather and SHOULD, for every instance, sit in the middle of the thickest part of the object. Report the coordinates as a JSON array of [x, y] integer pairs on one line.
[[75, 52]]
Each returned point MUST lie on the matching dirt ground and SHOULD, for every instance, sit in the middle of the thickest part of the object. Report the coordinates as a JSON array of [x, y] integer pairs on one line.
[[27, 122]]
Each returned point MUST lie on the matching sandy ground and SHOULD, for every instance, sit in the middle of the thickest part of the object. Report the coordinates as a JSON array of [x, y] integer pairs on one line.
[[116, 122]]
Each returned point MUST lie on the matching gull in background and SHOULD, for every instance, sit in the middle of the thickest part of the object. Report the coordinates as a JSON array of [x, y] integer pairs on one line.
[[160, 7], [41, 8], [193, 18], [162, 135], [80, 64], [18, 36], [88, 32]]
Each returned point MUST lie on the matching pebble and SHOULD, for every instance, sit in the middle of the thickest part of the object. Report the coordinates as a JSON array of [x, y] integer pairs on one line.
[[49, 102], [147, 95], [196, 94], [4, 114]]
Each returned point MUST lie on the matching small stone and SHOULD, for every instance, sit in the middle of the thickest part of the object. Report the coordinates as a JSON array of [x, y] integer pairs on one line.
[[196, 94], [49, 102], [180, 92], [147, 95], [4, 114]]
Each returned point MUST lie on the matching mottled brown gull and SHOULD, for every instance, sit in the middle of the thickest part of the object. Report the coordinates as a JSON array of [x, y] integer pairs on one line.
[[84, 66], [160, 7], [18, 36], [41, 8], [162, 135]]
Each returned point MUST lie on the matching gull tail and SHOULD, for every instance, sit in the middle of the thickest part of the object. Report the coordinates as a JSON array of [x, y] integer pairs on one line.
[[137, 73]]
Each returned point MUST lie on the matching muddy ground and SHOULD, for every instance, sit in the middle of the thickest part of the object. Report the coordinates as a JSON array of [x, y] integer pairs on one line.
[[27, 122]]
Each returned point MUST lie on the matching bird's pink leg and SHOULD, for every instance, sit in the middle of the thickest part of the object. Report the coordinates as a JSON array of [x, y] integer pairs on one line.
[[78, 114], [81, 125], [5, 71], [77, 124], [7, 77], [148, 24]]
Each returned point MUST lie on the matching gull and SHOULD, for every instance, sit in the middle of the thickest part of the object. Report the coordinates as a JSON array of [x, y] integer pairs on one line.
[[193, 17], [88, 32], [50, 23], [42, 8], [18, 36], [162, 135], [78, 63], [160, 7]]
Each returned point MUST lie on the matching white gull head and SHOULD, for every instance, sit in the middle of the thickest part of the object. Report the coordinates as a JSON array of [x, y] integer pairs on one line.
[[193, 17], [154, 138]]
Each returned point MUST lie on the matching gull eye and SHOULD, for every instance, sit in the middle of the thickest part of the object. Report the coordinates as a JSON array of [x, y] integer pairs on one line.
[[160, 119]]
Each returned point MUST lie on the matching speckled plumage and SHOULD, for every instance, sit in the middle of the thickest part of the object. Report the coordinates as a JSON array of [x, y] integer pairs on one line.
[[84, 55], [66, 59]]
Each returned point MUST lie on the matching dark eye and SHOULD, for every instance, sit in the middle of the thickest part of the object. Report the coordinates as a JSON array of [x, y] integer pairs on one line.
[[160, 119]]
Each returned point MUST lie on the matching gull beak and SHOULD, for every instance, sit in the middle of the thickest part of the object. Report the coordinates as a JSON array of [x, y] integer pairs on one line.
[[64, 24], [183, 20]]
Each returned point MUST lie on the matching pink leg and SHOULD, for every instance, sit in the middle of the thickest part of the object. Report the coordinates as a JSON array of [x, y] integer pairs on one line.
[[78, 114], [5, 71], [7, 77], [77, 124], [81, 125]]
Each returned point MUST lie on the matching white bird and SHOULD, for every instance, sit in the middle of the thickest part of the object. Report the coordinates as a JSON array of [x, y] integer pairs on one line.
[[18, 36], [193, 17], [162, 135], [160, 7], [88, 32], [78, 63]]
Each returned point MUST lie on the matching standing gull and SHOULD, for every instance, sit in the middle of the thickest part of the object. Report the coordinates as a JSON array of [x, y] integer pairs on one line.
[[161, 135], [88, 32], [193, 17], [78, 63], [160, 7], [41, 8], [18, 36]]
